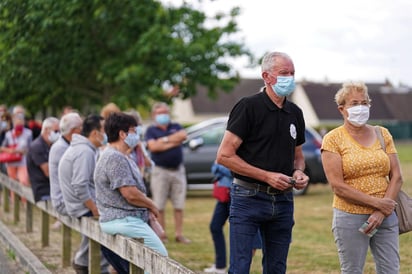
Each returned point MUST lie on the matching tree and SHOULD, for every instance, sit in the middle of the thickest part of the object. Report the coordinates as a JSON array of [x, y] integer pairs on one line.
[[87, 53]]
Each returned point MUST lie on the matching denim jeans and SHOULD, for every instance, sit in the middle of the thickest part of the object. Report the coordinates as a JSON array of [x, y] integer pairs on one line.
[[219, 218], [251, 211], [353, 245], [220, 215]]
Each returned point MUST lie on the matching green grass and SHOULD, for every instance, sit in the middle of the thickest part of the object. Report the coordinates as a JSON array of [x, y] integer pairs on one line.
[[312, 250]]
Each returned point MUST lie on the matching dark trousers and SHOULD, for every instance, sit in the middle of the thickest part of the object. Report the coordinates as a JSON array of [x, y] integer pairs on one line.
[[119, 264]]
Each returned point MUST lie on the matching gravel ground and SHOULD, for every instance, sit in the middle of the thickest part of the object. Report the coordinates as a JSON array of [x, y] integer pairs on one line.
[[50, 255]]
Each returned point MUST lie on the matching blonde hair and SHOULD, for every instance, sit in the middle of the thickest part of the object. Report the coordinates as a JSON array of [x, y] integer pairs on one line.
[[109, 109], [348, 88]]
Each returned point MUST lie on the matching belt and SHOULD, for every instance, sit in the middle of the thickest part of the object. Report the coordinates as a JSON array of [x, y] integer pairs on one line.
[[266, 189], [170, 168]]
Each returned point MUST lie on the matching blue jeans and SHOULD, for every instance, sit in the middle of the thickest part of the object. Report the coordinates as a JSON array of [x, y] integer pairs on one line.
[[220, 215], [219, 218], [251, 211]]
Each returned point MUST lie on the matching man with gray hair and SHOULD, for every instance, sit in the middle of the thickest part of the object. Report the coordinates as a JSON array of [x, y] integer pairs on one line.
[[38, 159], [70, 123]]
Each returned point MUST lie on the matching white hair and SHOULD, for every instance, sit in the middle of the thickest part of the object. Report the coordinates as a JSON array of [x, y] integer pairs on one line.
[[70, 121], [269, 60], [48, 123]]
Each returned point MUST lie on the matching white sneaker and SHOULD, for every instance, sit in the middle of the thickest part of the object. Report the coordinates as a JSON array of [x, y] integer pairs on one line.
[[215, 270]]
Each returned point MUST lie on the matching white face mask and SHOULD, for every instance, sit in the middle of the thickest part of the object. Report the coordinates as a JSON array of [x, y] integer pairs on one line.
[[53, 136], [358, 115]]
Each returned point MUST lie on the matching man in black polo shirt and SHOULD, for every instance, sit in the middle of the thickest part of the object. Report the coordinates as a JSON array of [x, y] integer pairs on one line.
[[38, 159], [262, 146]]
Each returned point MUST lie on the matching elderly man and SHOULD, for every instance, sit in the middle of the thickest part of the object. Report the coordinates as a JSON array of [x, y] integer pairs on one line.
[[38, 159], [69, 124], [262, 146]]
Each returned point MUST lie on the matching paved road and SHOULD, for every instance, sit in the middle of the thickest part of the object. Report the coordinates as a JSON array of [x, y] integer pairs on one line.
[[7, 265]]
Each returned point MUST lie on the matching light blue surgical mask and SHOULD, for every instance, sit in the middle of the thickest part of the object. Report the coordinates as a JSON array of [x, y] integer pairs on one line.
[[162, 119], [284, 86], [105, 139], [3, 125], [132, 140], [139, 130]]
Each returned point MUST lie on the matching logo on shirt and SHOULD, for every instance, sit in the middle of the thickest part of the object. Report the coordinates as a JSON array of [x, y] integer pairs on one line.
[[292, 131]]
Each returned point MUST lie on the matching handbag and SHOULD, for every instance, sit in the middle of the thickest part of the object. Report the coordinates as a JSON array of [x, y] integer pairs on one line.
[[7, 157], [156, 226], [221, 193], [404, 208]]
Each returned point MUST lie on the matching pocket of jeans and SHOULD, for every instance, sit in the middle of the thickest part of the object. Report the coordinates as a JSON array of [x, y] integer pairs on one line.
[[242, 191]]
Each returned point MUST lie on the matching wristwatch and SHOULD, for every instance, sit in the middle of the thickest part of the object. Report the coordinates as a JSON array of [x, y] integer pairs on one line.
[[165, 139]]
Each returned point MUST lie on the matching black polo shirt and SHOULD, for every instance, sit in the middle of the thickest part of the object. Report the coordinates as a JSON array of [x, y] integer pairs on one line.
[[37, 155], [269, 134]]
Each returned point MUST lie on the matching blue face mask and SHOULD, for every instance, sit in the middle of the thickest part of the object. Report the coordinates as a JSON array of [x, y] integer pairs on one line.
[[139, 130], [132, 140], [284, 86], [105, 139], [162, 119]]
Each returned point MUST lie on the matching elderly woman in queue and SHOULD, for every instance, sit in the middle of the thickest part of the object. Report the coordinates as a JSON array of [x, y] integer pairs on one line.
[[365, 180], [120, 192]]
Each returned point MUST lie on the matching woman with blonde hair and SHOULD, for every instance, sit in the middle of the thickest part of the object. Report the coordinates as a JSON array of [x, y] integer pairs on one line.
[[365, 180]]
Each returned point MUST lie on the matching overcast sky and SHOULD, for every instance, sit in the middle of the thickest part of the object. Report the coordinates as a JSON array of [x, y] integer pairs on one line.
[[368, 40]]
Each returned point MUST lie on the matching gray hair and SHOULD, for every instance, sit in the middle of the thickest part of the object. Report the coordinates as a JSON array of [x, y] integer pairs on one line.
[[70, 121], [159, 105], [269, 60], [48, 123], [136, 115]]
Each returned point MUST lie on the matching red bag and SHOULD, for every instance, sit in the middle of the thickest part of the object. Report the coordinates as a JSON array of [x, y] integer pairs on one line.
[[221, 193], [7, 157]]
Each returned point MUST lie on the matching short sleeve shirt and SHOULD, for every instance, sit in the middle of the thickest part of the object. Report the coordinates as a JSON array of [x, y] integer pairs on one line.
[[269, 134], [37, 155], [113, 171], [170, 158], [364, 168], [22, 141]]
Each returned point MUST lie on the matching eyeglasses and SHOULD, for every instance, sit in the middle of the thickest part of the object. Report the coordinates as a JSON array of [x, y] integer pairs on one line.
[[358, 103]]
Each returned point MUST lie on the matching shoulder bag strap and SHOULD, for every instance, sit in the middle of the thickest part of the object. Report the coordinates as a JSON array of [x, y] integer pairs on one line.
[[380, 137]]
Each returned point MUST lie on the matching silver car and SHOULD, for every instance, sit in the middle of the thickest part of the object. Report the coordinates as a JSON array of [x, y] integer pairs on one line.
[[204, 139]]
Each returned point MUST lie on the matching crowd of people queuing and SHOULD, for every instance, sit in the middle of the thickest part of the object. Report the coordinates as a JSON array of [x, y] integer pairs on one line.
[[94, 165]]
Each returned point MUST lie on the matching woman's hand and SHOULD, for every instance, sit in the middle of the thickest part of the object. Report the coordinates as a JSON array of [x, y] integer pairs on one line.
[[386, 206]]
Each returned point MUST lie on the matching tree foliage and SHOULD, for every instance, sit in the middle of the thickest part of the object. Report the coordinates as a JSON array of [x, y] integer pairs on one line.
[[87, 53]]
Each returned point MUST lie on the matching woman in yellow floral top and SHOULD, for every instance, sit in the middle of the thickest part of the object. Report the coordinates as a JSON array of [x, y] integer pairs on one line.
[[365, 180]]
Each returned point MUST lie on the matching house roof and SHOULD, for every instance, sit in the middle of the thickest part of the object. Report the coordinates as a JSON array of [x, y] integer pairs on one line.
[[387, 104], [202, 104]]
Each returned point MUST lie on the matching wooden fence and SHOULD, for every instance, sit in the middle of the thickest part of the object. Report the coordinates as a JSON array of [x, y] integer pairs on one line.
[[142, 259]]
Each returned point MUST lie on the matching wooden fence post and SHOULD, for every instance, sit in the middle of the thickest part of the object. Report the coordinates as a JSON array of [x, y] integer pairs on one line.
[[6, 200], [29, 217], [44, 228], [94, 257], [66, 245], [16, 208]]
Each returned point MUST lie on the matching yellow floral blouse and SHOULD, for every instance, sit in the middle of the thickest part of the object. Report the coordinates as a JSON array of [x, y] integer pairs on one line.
[[364, 168]]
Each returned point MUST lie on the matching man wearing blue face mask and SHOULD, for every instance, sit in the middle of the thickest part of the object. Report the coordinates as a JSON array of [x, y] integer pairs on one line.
[[168, 179], [262, 146]]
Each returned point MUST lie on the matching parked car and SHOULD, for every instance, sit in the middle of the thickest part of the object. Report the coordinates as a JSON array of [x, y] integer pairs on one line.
[[203, 141]]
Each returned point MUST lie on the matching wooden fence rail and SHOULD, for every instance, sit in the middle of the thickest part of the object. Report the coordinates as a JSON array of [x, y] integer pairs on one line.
[[142, 259]]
